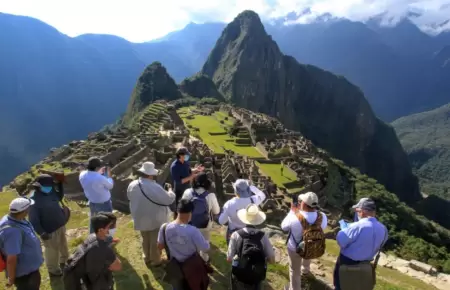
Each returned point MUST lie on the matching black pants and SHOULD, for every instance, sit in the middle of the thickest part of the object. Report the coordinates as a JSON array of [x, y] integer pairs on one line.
[[178, 196], [31, 281]]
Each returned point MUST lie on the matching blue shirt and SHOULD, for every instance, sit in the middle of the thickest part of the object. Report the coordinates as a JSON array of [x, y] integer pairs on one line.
[[20, 240], [96, 187], [362, 239], [182, 240], [178, 171]]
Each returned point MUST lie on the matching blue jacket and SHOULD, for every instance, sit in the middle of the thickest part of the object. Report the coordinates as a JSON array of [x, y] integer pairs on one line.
[[47, 214]]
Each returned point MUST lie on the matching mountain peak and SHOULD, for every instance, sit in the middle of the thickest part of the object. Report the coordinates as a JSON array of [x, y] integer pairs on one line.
[[248, 20], [154, 84]]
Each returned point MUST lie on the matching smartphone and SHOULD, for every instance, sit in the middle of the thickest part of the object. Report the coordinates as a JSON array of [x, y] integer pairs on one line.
[[105, 172], [295, 200]]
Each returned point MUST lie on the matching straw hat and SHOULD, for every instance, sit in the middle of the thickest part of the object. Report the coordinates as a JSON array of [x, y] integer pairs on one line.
[[251, 215]]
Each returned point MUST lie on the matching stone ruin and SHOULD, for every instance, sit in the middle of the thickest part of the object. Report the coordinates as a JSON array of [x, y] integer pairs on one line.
[[125, 149]]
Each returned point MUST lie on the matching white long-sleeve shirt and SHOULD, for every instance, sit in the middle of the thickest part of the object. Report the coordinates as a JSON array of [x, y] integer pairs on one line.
[[231, 207], [96, 187], [292, 223]]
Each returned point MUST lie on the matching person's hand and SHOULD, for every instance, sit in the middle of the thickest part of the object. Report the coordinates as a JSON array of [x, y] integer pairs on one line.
[[167, 186], [45, 236], [294, 208], [10, 283], [102, 170], [199, 168]]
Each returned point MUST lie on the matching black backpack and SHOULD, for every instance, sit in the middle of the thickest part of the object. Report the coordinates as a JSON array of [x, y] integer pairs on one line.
[[251, 266], [75, 274]]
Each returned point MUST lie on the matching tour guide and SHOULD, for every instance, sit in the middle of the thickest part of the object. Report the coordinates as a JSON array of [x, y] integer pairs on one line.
[[182, 174]]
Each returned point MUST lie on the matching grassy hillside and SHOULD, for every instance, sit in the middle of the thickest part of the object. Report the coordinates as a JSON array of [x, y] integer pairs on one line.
[[426, 138]]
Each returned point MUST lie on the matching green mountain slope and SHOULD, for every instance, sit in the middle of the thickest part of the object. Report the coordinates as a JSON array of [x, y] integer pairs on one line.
[[250, 71], [426, 139]]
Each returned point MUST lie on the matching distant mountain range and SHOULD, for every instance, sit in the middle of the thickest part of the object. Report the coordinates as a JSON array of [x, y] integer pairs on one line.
[[54, 88]]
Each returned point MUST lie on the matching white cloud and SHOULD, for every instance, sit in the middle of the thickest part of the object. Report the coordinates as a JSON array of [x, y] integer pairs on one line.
[[141, 20]]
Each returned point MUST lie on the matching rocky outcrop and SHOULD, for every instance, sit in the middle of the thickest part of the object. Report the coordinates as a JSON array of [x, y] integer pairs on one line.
[[250, 71], [153, 84], [200, 86]]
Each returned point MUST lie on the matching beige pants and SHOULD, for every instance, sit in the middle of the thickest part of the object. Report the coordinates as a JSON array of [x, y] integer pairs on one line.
[[295, 270], [56, 250], [206, 234], [150, 247]]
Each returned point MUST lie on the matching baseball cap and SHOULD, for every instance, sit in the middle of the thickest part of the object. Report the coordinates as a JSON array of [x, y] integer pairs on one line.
[[95, 162], [242, 188], [43, 180], [182, 151], [310, 198], [366, 204], [20, 204]]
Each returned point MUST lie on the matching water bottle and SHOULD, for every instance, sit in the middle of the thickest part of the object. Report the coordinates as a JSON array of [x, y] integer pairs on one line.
[[343, 224], [235, 262]]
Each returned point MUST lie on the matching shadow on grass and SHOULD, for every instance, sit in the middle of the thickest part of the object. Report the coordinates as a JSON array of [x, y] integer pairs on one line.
[[128, 278]]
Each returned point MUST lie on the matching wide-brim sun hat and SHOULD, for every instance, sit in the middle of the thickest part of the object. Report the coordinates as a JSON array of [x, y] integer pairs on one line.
[[251, 215], [148, 168]]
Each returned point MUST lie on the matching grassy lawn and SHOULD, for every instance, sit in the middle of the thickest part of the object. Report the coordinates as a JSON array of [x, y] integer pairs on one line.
[[207, 124], [273, 170]]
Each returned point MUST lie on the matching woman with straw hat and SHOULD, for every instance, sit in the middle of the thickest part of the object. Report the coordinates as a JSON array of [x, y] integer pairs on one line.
[[249, 250]]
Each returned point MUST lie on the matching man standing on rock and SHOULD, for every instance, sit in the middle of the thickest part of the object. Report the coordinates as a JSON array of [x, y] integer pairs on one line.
[[49, 219], [181, 173], [149, 207], [300, 218], [360, 242], [97, 183]]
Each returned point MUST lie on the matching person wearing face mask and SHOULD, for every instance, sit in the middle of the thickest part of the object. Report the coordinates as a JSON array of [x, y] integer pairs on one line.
[[182, 174], [246, 194], [359, 243], [206, 207], [20, 247], [49, 219], [93, 262], [303, 215]]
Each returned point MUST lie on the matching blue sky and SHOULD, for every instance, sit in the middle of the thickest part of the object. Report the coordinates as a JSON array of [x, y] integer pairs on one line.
[[142, 20]]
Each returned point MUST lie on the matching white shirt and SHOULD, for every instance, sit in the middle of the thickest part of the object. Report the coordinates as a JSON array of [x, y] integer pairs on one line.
[[148, 216], [231, 207], [211, 200], [292, 223], [96, 187]]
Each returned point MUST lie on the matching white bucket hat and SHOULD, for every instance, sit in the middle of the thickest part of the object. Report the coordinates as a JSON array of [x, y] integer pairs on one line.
[[251, 215], [148, 168]]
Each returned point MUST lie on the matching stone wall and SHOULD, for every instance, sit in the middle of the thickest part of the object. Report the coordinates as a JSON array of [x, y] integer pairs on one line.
[[130, 161]]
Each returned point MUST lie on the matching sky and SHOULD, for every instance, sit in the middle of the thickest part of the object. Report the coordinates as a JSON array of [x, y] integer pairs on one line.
[[144, 20]]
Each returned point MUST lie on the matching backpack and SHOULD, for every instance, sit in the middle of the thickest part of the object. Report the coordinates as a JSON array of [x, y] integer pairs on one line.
[[200, 215], [313, 238], [2, 256], [75, 274], [251, 265]]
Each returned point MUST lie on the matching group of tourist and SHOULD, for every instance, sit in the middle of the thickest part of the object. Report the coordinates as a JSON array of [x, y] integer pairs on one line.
[[185, 236]]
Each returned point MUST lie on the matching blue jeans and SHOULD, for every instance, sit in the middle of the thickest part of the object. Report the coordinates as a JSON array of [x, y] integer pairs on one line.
[[98, 207]]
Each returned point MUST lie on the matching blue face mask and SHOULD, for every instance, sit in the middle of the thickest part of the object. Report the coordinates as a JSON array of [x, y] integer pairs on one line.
[[186, 157], [46, 189]]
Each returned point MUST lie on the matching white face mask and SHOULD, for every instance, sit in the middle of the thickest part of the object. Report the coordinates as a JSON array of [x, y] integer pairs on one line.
[[200, 190], [112, 232]]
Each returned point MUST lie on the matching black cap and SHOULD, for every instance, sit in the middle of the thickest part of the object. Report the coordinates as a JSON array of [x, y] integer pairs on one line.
[[185, 206], [202, 180], [43, 180], [182, 151], [94, 162]]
